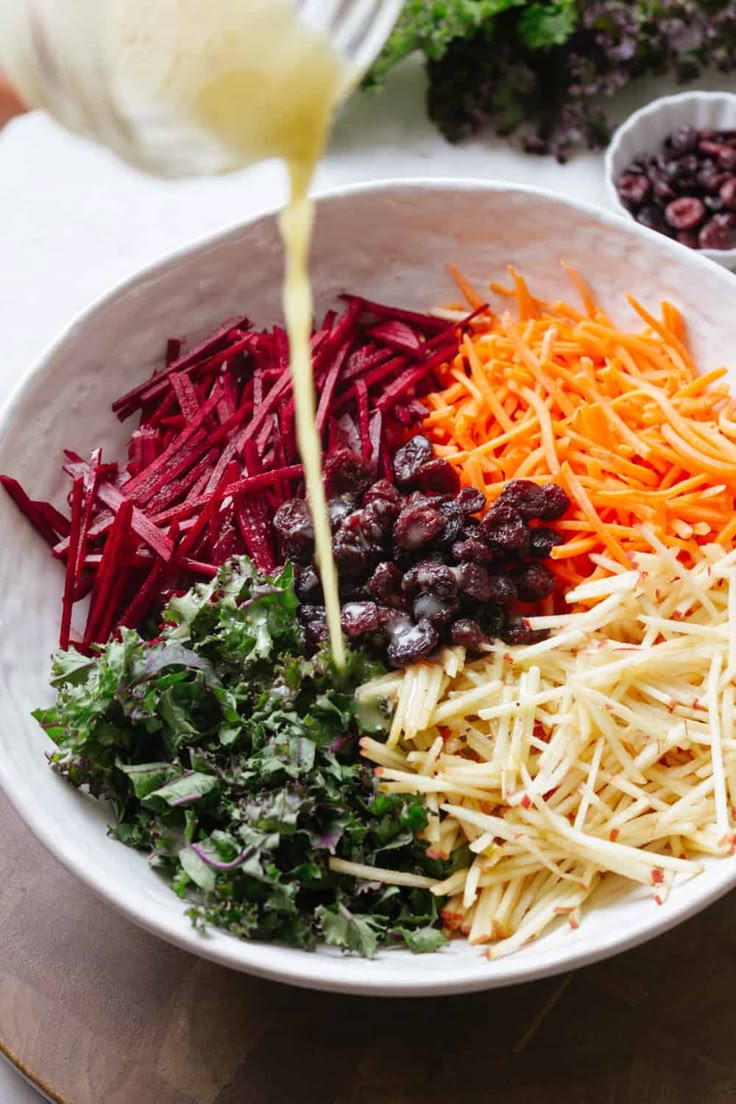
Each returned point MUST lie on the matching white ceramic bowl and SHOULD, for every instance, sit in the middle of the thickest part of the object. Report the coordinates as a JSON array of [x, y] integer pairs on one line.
[[646, 129], [385, 240]]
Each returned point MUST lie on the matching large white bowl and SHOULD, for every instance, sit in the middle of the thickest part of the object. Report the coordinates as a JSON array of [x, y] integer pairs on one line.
[[385, 240]]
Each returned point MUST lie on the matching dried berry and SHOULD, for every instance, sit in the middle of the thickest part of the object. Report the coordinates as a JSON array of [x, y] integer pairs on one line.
[[469, 501], [359, 618], [292, 523], [473, 583], [316, 634], [429, 575], [410, 458], [410, 644], [505, 529], [353, 555], [339, 508], [437, 477], [472, 550], [308, 587], [309, 613], [468, 634], [534, 583], [719, 232], [382, 491], [346, 472], [519, 632], [429, 606], [685, 213], [633, 190], [683, 140], [727, 193], [377, 520], [417, 526], [525, 497], [727, 158], [651, 217], [385, 586], [502, 590], [542, 541], [556, 502]]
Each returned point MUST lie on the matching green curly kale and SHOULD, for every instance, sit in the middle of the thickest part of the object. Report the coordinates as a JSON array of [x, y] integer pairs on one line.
[[233, 761]]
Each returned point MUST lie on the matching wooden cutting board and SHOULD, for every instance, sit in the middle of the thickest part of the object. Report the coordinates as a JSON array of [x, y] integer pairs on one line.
[[95, 1011]]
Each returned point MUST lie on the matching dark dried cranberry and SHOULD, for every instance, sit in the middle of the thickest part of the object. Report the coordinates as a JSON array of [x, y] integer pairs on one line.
[[385, 586], [727, 193], [472, 550], [502, 590], [437, 477], [504, 528], [469, 501], [713, 203], [412, 643], [316, 634], [359, 618], [292, 523], [472, 582], [518, 632], [681, 169], [410, 458], [525, 497], [719, 232], [346, 472], [429, 606], [417, 525], [353, 555], [308, 587], [651, 217], [709, 146], [556, 502], [382, 490], [454, 527], [542, 541], [309, 613], [468, 634], [377, 520], [633, 190], [430, 575], [491, 619], [688, 238], [339, 508], [685, 213], [683, 140], [727, 158], [534, 582], [663, 191]]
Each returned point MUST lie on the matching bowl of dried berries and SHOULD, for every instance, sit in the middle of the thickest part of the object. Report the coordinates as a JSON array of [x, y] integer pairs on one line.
[[672, 167]]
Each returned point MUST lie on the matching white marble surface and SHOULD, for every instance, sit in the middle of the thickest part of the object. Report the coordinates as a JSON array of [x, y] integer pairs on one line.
[[73, 221]]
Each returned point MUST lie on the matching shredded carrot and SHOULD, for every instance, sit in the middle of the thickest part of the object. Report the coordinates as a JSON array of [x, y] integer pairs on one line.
[[620, 418]]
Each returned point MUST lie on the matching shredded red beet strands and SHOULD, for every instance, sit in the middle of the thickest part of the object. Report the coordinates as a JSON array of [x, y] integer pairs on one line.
[[214, 455]]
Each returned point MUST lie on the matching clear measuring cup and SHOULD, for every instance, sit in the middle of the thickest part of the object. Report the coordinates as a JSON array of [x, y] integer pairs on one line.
[[66, 57]]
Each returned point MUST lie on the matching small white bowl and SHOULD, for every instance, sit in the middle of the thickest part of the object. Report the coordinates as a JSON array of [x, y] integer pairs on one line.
[[646, 130]]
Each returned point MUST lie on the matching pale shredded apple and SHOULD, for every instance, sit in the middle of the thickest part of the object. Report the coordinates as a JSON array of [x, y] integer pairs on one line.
[[608, 748]]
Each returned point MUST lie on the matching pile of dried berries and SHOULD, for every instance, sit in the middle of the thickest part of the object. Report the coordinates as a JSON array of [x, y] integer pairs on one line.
[[417, 566], [688, 189]]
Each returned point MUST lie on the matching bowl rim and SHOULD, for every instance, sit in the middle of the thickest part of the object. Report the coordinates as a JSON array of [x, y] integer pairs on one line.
[[345, 974], [723, 257]]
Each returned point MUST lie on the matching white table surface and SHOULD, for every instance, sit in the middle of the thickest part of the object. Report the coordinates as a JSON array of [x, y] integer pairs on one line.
[[74, 221]]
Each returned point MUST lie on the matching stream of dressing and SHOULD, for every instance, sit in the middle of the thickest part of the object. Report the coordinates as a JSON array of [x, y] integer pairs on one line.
[[260, 83]]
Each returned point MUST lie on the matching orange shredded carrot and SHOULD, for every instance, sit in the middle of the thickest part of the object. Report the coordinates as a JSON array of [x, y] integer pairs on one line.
[[620, 418]]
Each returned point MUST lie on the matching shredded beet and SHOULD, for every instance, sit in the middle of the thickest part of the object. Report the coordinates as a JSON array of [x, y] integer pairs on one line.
[[214, 455]]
